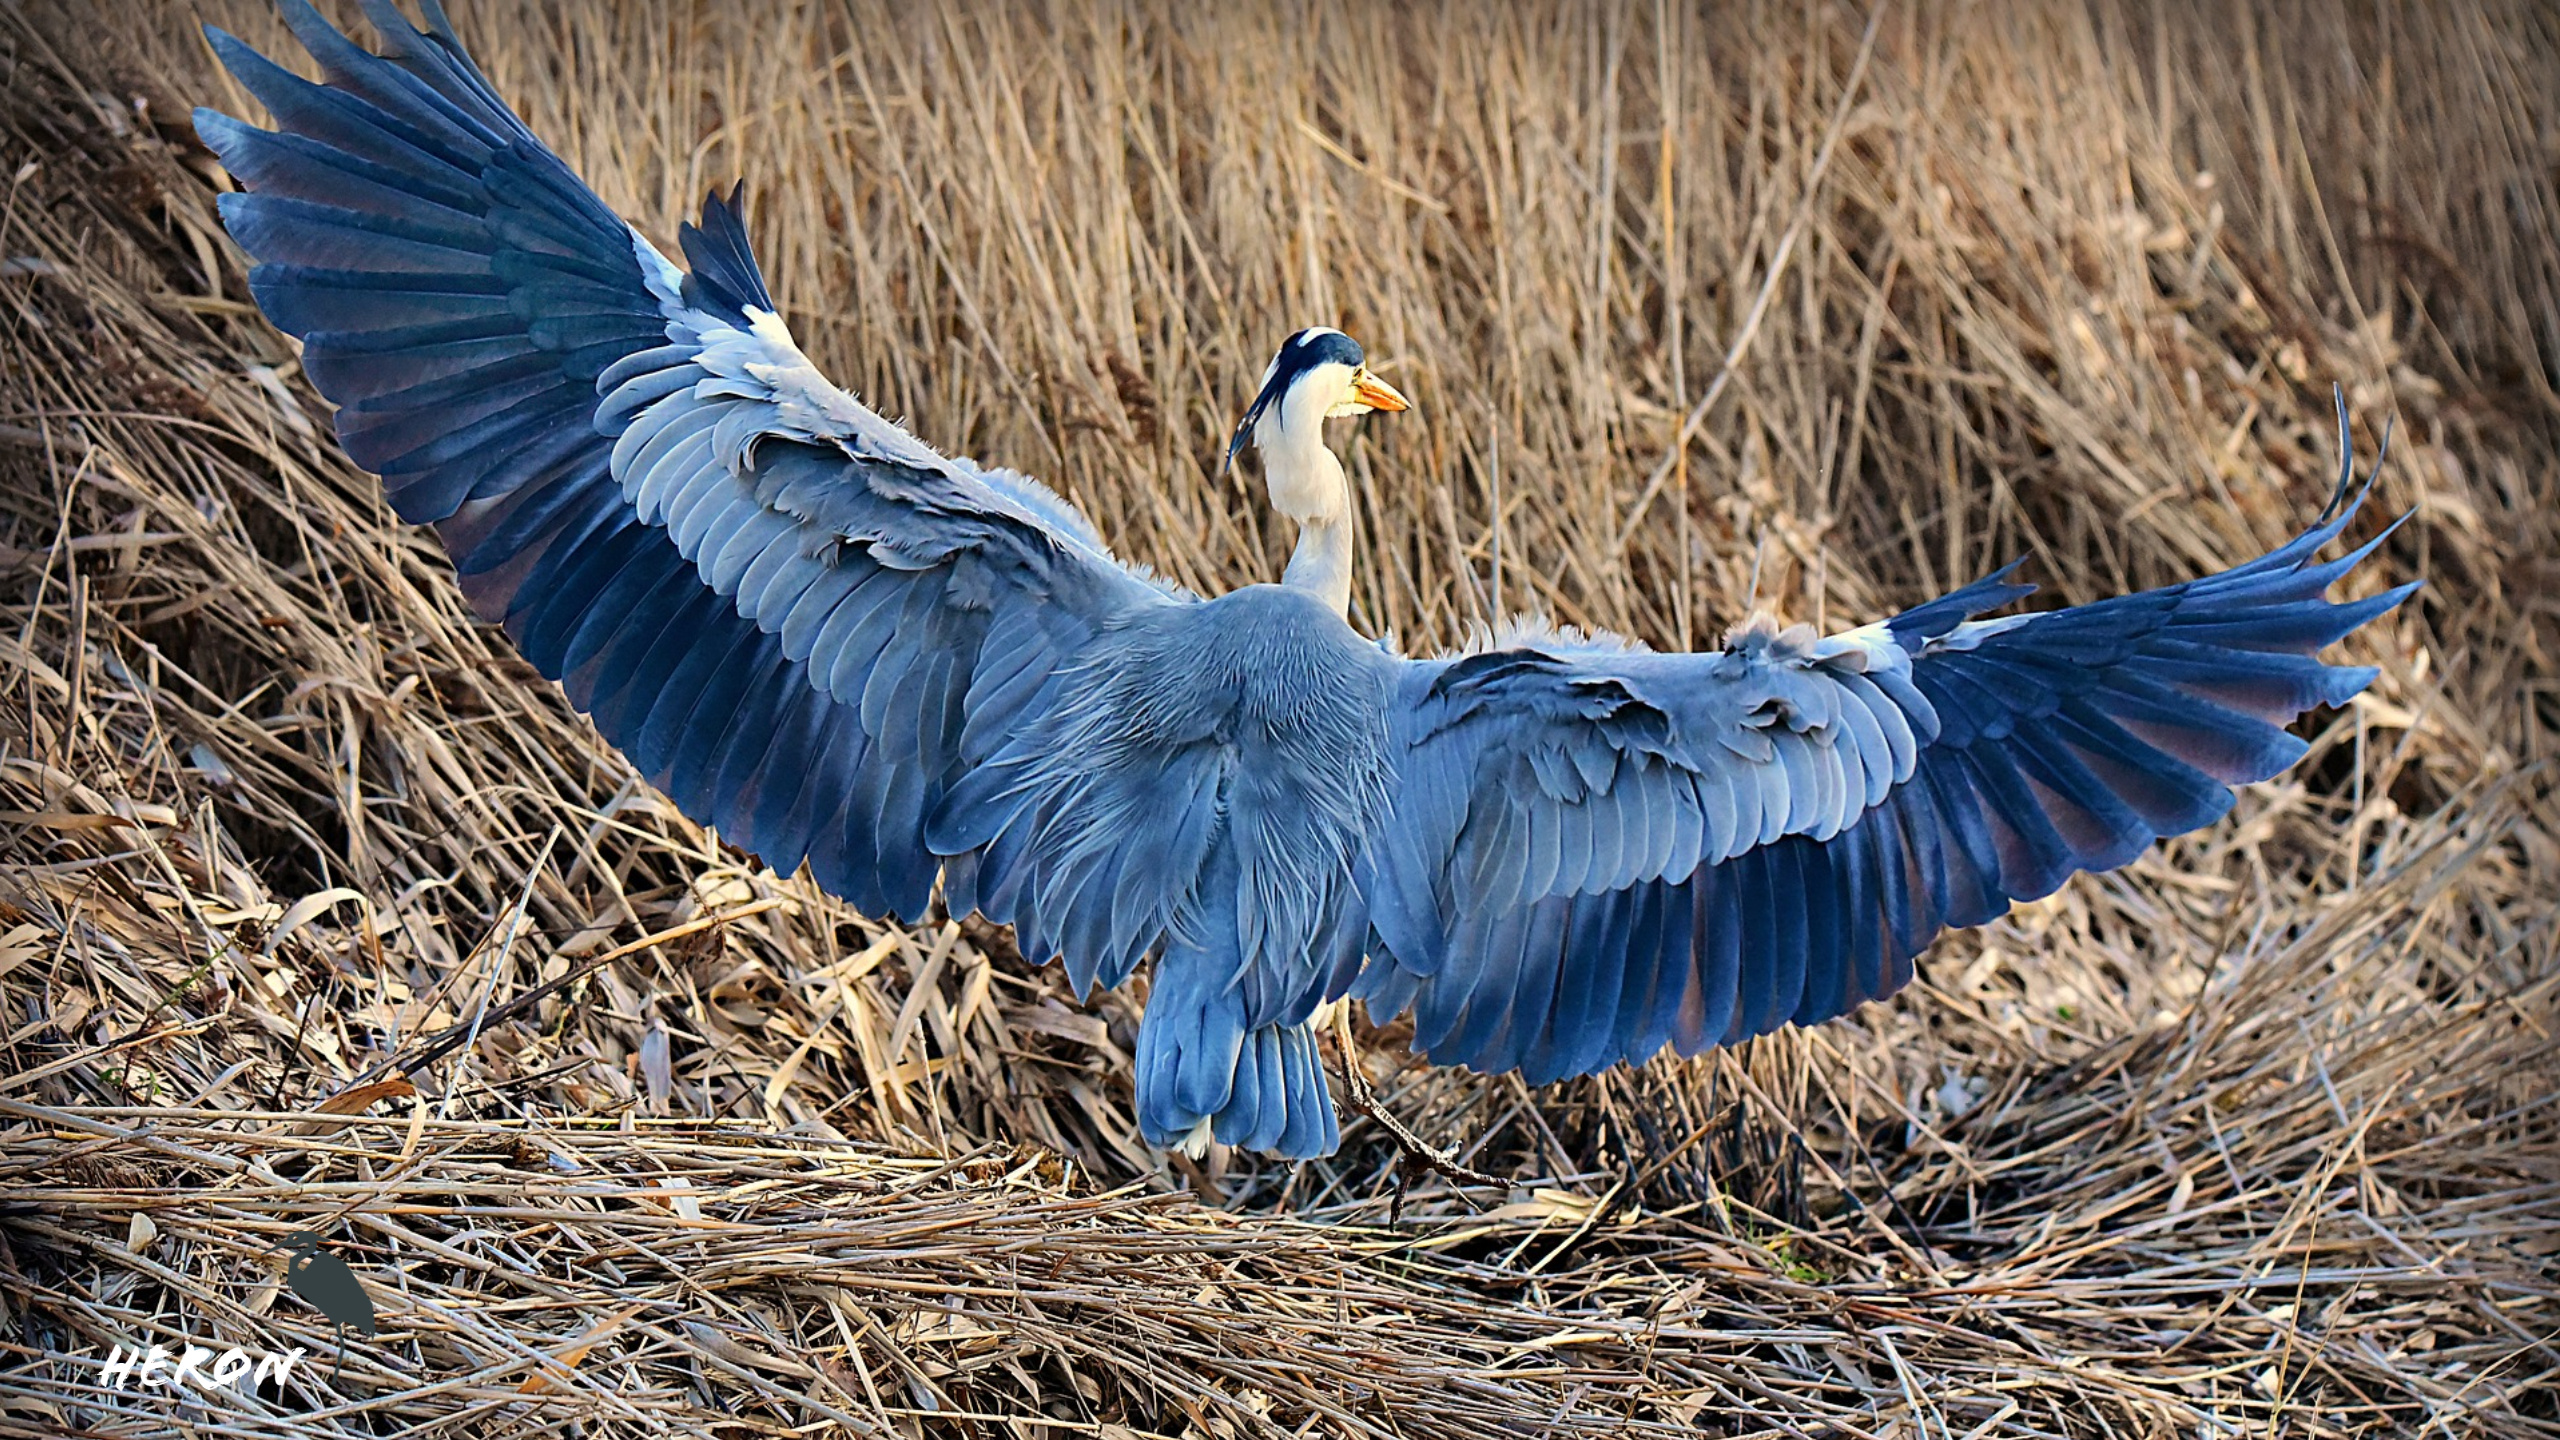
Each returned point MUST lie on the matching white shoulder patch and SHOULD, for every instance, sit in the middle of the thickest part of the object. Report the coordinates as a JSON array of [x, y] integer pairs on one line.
[[1974, 632], [763, 362], [664, 280], [1865, 650]]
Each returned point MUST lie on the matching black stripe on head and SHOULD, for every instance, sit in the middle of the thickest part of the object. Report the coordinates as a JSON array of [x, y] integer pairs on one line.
[[1316, 345]]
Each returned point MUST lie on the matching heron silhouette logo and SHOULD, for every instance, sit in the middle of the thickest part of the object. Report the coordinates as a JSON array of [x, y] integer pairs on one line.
[[331, 1287]]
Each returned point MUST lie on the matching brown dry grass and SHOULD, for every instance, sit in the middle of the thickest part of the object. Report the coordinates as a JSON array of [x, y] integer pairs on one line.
[[2257, 1136]]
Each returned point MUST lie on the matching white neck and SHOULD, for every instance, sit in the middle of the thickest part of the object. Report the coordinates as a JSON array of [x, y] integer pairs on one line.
[[1308, 486], [1321, 565]]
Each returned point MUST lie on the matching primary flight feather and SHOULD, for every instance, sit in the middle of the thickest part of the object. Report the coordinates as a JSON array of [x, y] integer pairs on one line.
[[843, 648]]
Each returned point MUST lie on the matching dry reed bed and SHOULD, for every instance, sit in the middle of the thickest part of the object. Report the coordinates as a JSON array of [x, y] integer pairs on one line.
[[2258, 1135]]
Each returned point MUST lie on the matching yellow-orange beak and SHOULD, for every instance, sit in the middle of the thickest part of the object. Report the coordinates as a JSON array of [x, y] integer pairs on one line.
[[1377, 394]]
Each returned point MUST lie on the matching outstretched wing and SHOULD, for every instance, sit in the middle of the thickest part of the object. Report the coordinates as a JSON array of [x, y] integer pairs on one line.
[[1599, 850], [798, 620]]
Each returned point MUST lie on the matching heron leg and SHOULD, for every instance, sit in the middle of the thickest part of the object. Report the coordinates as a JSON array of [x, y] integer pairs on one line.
[[1361, 1099]]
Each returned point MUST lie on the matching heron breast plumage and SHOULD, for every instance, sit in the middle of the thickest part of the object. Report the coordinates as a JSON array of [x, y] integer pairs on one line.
[[1246, 733]]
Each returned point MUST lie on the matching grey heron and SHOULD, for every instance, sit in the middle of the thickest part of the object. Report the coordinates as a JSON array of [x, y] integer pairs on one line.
[[1558, 851], [331, 1286]]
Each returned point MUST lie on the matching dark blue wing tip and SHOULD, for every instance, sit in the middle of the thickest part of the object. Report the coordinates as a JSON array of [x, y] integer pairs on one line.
[[723, 263], [312, 29], [2346, 498], [438, 23], [211, 123], [1931, 619], [2389, 600], [389, 23], [2339, 495], [230, 49]]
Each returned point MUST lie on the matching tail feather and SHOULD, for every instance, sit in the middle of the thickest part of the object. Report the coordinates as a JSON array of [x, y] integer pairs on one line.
[[1203, 1071]]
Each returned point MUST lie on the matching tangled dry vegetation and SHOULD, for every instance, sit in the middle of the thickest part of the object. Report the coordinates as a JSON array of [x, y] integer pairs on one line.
[[2257, 1136]]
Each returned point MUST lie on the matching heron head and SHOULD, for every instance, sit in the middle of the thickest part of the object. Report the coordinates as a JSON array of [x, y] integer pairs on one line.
[[1319, 373], [301, 1242]]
